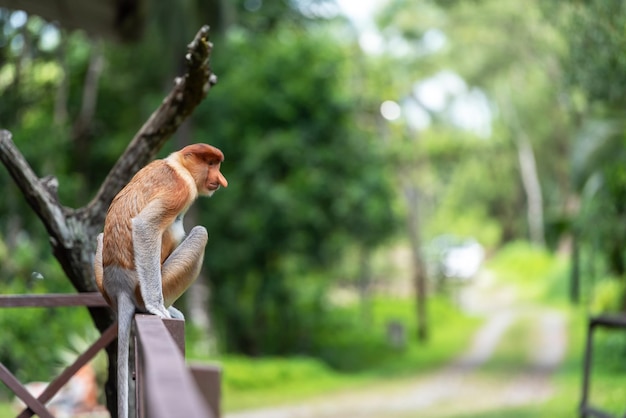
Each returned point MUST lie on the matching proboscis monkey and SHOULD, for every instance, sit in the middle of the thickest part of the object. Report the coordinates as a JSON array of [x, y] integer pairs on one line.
[[144, 261]]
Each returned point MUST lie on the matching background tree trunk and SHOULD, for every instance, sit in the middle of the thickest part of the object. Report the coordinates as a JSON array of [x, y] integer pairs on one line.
[[532, 187], [411, 194]]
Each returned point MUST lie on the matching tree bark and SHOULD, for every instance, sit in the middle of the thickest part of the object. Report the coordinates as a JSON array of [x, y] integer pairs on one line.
[[73, 231], [532, 187], [420, 278], [365, 284], [528, 168]]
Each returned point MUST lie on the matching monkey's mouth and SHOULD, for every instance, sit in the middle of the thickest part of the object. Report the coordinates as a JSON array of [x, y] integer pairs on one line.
[[213, 186]]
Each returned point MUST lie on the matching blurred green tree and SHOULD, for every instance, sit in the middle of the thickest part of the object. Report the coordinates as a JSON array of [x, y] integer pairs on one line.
[[595, 68], [306, 183]]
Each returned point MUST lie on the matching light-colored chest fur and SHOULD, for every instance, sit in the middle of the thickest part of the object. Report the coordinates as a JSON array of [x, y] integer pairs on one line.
[[177, 230]]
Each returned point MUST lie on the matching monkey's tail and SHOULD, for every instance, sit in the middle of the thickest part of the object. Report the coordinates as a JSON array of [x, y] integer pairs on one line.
[[125, 313]]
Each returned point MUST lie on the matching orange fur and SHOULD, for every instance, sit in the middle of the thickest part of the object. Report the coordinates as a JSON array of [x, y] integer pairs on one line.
[[155, 181], [171, 182], [144, 259]]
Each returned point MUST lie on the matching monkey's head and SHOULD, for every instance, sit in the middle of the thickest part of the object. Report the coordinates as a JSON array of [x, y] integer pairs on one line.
[[203, 163]]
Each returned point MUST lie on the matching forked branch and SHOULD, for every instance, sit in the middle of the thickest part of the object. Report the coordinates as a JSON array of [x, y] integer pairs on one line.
[[189, 90]]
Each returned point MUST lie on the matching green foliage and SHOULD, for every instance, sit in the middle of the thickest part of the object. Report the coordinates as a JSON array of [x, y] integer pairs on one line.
[[608, 296], [601, 177], [596, 61], [32, 336], [536, 272], [521, 261], [595, 68], [471, 198], [610, 348], [305, 183]]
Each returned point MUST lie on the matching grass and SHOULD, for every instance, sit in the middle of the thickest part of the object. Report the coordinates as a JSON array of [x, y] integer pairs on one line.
[[250, 383], [255, 383], [5, 410]]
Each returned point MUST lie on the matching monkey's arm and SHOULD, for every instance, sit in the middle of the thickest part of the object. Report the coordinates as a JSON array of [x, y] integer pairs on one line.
[[147, 230]]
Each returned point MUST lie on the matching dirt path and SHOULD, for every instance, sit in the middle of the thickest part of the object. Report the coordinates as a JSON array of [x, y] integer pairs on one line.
[[459, 387]]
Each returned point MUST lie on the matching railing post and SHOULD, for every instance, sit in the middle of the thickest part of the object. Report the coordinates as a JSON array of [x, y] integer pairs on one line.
[[587, 369], [37, 405], [176, 329], [167, 387], [209, 378], [604, 321]]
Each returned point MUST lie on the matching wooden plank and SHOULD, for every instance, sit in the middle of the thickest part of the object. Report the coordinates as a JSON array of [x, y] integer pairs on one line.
[[169, 388], [92, 299], [20, 391], [176, 328], [209, 381], [105, 339]]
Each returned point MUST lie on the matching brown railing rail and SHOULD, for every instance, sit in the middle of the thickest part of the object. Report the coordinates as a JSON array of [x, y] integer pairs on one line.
[[165, 386]]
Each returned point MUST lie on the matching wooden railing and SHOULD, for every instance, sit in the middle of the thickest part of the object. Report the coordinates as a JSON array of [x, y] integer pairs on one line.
[[165, 387]]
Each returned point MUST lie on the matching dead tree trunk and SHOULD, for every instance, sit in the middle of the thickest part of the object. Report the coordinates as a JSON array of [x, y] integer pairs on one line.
[[532, 187], [73, 231], [411, 193]]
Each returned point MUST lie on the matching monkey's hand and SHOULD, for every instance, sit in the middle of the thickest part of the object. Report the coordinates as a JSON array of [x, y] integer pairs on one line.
[[147, 251]]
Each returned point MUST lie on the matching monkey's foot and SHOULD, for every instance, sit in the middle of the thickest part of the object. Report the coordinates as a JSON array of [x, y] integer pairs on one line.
[[176, 314], [159, 311]]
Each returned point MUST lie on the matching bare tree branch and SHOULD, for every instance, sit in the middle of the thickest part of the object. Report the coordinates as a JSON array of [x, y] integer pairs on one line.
[[187, 93], [38, 196], [73, 232]]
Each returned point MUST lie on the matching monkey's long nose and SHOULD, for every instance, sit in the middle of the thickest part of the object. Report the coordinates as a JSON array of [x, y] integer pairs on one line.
[[222, 180]]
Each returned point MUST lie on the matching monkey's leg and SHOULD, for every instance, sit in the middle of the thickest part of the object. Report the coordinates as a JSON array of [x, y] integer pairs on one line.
[[182, 267], [147, 255]]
